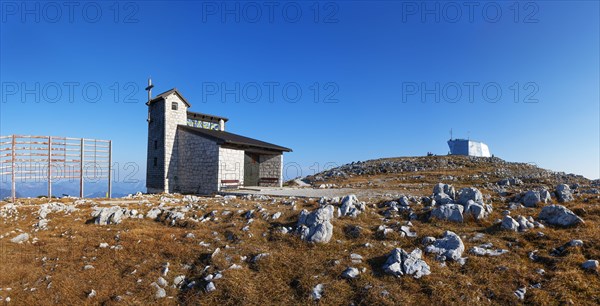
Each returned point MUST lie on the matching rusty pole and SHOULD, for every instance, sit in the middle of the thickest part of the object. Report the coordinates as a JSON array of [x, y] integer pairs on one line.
[[109, 169], [49, 167], [82, 152], [13, 187]]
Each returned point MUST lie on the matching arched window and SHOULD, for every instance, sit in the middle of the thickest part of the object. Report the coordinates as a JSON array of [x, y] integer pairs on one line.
[[174, 105]]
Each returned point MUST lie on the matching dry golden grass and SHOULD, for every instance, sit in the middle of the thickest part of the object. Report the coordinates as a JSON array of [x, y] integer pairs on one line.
[[294, 267]]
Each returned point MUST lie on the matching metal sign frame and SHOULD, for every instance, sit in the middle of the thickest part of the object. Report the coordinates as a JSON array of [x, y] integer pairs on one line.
[[42, 158]]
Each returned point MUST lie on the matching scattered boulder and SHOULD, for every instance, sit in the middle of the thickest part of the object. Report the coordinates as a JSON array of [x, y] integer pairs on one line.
[[153, 213], [512, 181], [563, 193], [383, 231], [450, 246], [109, 215], [562, 250], [171, 216], [317, 292], [449, 212], [478, 211], [351, 206], [442, 198], [399, 263], [509, 223], [520, 293], [350, 273], [520, 224], [210, 287], [446, 189], [487, 250], [403, 201], [590, 265], [178, 281], [316, 226], [533, 197], [407, 231], [469, 193], [24, 237], [559, 215]]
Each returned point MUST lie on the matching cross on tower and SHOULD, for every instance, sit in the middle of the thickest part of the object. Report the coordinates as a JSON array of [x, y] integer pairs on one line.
[[149, 89]]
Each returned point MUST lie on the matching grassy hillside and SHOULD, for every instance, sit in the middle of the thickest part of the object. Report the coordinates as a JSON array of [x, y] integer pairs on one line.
[[50, 267]]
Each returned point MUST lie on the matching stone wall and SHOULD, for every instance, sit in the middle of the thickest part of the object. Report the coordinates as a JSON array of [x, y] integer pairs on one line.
[[231, 165], [173, 118], [270, 166], [155, 176], [198, 170]]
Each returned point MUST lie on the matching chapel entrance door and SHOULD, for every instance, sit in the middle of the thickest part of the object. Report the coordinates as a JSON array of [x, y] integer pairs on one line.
[[251, 169]]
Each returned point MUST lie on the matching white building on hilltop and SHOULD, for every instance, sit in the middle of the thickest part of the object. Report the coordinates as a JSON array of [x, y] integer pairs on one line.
[[468, 147], [191, 152]]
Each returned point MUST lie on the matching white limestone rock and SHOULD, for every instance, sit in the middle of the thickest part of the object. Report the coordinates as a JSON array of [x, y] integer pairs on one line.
[[469, 193], [153, 213], [210, 287], [479, 211], [21, 238], [520, 293], [399, 263], [316, 226], [351, 206], [590, 265], [442, 199], [563, 193], [317, 292], [109, 215], [509, 223], [487, 250], [350, 273], [449, 212], [450, 246], [559, 215], [533, 198], [445, 189]]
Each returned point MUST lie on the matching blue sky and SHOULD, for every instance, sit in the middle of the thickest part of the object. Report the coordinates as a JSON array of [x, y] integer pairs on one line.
[[369, 62]]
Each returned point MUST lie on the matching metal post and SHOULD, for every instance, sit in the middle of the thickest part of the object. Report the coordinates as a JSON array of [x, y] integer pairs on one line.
[[82, 152], [109, 169], [13, 181], [49, 167]]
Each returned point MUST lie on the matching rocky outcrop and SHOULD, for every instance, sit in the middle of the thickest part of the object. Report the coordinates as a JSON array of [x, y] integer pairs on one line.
[[469, 194], [449, 212], [24, 237], [449, 247], [559, 215], [454, 208], [351, 207], [533, 197], [109, 215], [563, 193], [487, 249], [316, 226], [520, 224], [399, 263]]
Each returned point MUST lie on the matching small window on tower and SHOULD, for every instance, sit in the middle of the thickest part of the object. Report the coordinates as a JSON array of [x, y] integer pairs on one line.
[[155, 162], [174, 105], [155, 144]]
